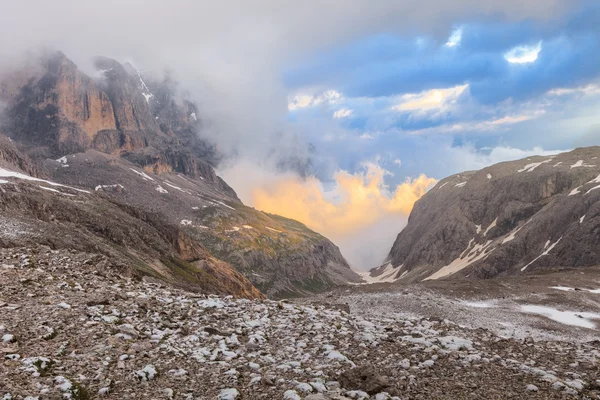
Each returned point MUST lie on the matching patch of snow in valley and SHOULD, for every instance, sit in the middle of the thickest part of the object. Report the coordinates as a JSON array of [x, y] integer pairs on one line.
[[388, 274], [570, 289], [557, 164], [575, 191], [160, 189], [478, 304], [581, 219], [478, 227], [548, 248], [5, 173], [142, 174], [581, 319], [460, 184]]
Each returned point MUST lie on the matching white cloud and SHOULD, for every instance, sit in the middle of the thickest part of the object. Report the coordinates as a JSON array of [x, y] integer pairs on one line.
[[342, 113], [455, 38], [434, 99], [590, 90], [398, 162], [523, 54], [367, 136], [304, 101]]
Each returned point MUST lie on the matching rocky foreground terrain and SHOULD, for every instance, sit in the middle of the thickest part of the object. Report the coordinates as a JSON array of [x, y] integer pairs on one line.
[[72, 326]]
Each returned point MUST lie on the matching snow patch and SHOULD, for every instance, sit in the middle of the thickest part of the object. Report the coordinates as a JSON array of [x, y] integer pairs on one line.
[[142, 174], [388, 274], [548, 248], [533, 166], [5, 173], [160, 189], [580, 163], [462, 184], [273, 229], [581, 319], [492, 225], [185, 222], [581, 219], [478, 252]]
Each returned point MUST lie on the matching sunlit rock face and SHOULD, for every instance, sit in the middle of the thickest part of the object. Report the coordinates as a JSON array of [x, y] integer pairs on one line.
[[123, 166]]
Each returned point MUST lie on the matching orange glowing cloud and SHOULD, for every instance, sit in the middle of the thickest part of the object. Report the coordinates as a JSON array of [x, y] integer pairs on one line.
[[356, 202]]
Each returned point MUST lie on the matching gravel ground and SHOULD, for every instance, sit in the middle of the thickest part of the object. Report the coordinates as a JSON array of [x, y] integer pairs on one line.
[[71, 329]]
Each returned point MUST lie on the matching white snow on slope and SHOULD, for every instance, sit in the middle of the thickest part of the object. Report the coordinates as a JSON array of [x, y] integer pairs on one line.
[[492, 225], [185, 222], [273, 229], [460, 184], [489, 176], [594, 188], [532, 166], [577, 191], [63, 161], [160, 189], [174, 187], [101, 187], [224, 205], [512, 235], [478, 252], [5, 173], [3, 181], [444, 184], [581, 319], [580, 163], [581, 219], [142, 174], [145, 90], [548, 248]]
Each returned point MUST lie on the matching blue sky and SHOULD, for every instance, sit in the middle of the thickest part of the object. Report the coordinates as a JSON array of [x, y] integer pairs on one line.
[[485, 91]]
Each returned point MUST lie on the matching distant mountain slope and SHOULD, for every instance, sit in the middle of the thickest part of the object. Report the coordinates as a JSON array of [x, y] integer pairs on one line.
[[133, 144], [509, 218]]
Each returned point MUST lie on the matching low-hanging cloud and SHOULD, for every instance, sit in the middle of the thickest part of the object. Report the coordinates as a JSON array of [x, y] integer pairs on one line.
[[359, 212]]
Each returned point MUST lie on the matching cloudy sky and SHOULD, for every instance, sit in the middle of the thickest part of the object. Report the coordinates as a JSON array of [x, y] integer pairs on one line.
[[391, 94]]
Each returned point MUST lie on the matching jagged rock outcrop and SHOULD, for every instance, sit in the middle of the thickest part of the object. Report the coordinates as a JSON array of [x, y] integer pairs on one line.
[[132, 142], [510, 218]]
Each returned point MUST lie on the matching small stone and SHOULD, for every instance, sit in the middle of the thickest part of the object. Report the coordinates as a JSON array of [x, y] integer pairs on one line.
[[531, 388]]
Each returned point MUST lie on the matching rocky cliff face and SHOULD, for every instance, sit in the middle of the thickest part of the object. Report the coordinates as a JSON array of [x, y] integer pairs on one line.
[[134, 145], [510, 218]]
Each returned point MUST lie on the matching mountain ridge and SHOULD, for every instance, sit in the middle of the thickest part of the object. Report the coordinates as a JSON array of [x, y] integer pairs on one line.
[[506, 219], [138, 151]]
